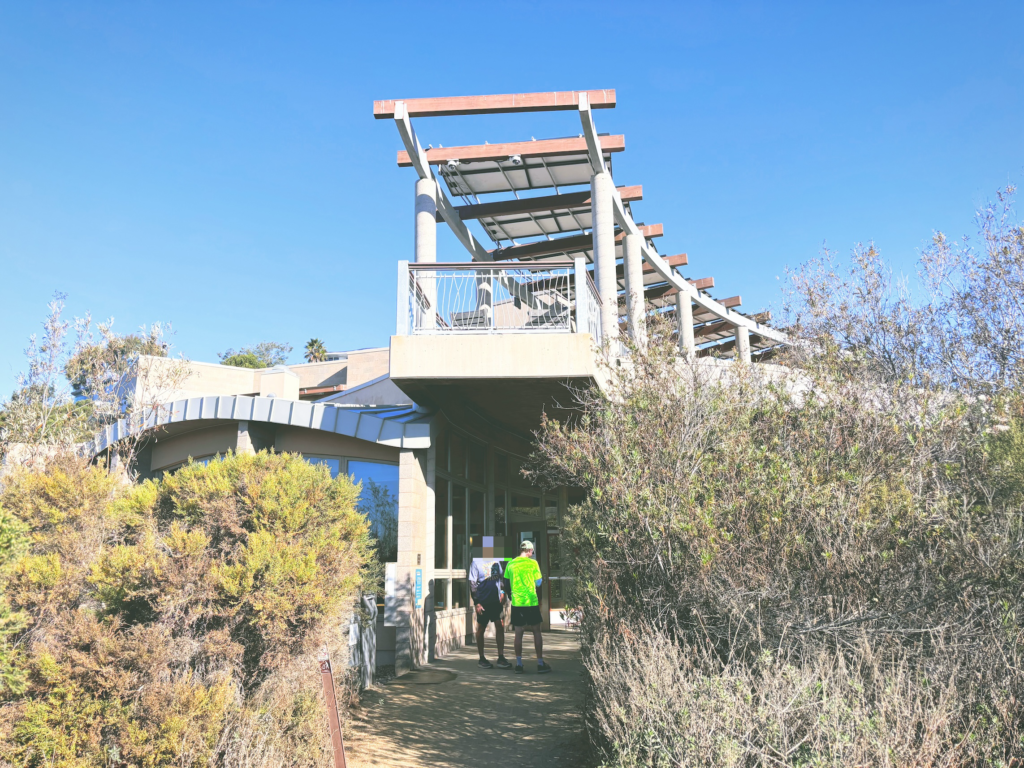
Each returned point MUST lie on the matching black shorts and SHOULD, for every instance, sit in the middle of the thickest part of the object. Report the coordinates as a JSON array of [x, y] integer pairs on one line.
[[525, 616], [492, 612]]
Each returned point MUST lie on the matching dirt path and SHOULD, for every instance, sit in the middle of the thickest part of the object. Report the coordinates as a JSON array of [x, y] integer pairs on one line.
[[482, 717]]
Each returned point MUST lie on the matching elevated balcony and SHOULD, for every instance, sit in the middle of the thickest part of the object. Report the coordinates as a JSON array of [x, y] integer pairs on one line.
[[504, 340]]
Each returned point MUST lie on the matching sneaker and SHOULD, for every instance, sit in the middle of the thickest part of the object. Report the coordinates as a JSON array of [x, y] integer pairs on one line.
[[503, 663], [543, 667], [519, 669], [485, 664]]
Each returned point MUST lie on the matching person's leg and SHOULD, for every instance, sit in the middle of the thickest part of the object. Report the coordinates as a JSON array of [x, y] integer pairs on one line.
[[499, 636], [480, 629], [538, 642], [518, 644]]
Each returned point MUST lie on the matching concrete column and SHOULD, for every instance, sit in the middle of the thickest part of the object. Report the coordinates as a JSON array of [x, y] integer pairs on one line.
[[684, 323], [601, 188], [243, 443], [742, 344], [633, 269], [411, 624], [426, 247]]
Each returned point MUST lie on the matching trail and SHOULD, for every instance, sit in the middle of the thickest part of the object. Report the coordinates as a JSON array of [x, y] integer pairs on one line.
[[482, 717]]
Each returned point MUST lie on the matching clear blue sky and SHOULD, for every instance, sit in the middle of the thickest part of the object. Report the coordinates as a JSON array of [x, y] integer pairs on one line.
[[216, 164]]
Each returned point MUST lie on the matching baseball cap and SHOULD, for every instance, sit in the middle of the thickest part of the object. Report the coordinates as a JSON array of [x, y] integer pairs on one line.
[[526, 544]]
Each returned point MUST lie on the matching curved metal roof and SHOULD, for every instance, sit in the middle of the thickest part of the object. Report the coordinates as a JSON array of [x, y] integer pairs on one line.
[[397, 426]]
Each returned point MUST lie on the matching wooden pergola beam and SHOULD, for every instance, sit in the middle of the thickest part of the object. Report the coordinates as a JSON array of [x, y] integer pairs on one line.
[[679, 260], [732, 301], [570, 244], [550, 101], [496, 152], [537, 204]]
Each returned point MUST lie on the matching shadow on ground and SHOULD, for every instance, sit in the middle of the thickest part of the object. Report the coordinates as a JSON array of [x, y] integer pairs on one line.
[[480, 718]]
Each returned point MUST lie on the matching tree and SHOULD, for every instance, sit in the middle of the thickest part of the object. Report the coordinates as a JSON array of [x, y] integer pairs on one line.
[[78, 381], [266, 354], [316, 352]]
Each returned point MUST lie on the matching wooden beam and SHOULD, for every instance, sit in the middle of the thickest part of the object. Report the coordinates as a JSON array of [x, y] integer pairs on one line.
[[490, 105], [732, 301], [570, 244], [544, 147], [536, 204]]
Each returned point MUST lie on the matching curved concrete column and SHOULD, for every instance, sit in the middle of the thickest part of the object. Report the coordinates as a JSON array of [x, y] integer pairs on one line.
[[603, 208], [633, 269]]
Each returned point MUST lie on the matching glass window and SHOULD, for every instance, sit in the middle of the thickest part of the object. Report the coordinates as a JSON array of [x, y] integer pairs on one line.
[[477, 462], [458, 455], [378, 500], [551, 510], [525, 506], [442, 448], [441, 524], [440, 594], [500, 512], [557, 593], [460, 593], [333, 465], [500, 468], [514, 474], [460, 539], [554, 553], [476, 513]]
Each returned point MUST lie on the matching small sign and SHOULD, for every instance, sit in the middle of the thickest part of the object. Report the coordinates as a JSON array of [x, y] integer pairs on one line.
[[419, 587]]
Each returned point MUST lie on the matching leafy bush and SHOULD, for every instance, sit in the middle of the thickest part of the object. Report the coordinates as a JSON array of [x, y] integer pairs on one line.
[[814, 565], [175, 622]]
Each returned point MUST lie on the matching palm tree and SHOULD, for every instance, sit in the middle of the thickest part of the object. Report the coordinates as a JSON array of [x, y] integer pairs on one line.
[[316, 352]]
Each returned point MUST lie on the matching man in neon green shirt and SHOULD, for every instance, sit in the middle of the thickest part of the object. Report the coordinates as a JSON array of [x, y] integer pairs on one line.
[[524, 575]]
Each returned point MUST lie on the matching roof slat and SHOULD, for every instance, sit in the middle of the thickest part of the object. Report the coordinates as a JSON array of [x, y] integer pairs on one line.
[[495, 104]]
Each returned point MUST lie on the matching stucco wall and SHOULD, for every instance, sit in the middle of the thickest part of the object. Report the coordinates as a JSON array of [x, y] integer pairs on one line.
[[313, 441], [169, 450]]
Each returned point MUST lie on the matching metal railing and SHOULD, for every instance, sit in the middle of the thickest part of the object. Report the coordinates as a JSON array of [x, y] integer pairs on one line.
[[478, 297]]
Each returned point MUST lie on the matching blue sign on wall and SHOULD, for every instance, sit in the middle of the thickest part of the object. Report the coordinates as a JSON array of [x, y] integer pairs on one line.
[[419, 587]]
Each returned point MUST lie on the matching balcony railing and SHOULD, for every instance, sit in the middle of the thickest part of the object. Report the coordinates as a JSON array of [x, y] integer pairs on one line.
[[478, 297]]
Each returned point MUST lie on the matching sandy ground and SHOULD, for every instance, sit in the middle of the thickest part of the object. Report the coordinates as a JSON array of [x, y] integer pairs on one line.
[[482, 717]]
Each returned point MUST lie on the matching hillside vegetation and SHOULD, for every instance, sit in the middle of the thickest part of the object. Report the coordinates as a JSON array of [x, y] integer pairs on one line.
[[819, 567]]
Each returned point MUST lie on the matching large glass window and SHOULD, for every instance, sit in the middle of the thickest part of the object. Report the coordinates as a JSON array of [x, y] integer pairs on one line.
[[476, 513], [551, 509], [441, 524], [460, 593], [477, 462], [458, 455], [524, 505], [440, 594], [378, 500], [333, 465], [500, 512], [500, 468], [460, 538]]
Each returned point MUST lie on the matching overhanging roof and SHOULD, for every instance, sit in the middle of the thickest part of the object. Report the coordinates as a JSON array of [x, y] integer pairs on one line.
[[396, 426]]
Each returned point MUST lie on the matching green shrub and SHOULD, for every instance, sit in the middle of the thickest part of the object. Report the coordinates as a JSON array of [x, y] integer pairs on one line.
[[176, 622]]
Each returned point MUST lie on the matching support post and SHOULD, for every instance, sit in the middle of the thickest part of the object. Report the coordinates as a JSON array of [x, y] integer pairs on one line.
[[402, 319], [331, 698], [582, 296], [603, 213], [742, 344], [684, 321], [633, 269], [243, 442], [426, 246]]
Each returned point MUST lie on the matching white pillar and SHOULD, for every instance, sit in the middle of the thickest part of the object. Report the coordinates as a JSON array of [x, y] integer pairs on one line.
[[684, 323], [243, 443], [742, 344], [633, 269], [602, 206], [426, 247]]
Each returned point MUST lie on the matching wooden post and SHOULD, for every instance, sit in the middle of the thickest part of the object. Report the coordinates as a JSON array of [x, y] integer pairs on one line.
[[334, 722]]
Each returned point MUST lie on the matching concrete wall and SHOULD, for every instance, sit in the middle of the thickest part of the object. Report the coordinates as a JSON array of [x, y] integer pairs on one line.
[[506, 356], [381, 392], [367, 364], [415, 498], [174, 449], [314, 441]]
